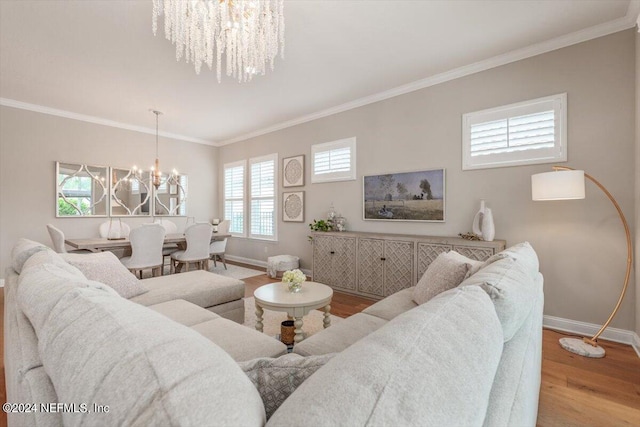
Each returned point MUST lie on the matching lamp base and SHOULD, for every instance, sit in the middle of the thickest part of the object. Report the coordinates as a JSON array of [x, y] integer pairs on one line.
[[578, 346]]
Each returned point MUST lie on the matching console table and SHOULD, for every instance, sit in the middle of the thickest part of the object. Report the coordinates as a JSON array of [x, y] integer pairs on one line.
[[376, 265]]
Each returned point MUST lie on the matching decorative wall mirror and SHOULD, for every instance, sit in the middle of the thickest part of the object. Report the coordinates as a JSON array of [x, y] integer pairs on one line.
[[130, 192], [81, 190], [171, 195]]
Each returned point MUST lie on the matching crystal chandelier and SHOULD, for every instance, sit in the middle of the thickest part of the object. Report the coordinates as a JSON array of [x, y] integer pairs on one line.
[[249, 33]]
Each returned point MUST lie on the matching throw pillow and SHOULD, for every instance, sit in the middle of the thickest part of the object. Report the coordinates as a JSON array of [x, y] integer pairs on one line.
[[277, 378], [474, 265], [106, 268], [447, 271]]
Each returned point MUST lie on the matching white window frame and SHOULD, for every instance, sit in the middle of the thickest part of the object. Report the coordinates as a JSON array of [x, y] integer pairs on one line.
[[269, 157], [231, 165], [349, 175], [557, 103]]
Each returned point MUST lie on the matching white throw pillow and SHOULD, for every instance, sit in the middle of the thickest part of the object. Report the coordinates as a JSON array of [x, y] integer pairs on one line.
[[446, 272], [106, 268], [474, 265]]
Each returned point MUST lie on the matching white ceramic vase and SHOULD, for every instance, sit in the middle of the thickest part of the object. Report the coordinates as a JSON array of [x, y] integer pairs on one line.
[[483, 224], [488, 228]]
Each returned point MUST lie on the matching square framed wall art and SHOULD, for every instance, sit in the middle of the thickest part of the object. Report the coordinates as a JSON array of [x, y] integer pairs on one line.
[[293, 171], [293, 206], [405, 196]]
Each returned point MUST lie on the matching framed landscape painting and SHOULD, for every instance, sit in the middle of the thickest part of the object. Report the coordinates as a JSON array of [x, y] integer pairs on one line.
[[405, 196]]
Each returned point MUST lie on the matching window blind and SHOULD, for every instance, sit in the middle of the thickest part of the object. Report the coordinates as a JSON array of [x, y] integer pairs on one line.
[[525, 133], [263, 192], [528, 132], [336, 160], [234, 197]]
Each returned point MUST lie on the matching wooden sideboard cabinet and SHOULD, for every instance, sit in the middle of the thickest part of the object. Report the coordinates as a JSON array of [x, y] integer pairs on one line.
[[377, 265], [337, 256]]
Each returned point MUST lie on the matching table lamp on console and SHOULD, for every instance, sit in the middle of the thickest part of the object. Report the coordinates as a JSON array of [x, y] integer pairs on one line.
[[565, 183]]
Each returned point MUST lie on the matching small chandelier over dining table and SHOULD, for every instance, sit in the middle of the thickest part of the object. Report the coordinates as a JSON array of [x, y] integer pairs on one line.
[[156, 174], [249, 32]]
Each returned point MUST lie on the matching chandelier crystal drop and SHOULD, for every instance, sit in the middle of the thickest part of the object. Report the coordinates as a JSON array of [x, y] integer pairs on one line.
[[248, 33]]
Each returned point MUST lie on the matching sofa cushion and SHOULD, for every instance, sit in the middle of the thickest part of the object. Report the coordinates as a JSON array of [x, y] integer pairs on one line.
[[340, 335], [431, 366], [447, 271], [240, 342], [106, 268], [103, 349], [22, 251], [510, 284], [277, 378], [198, 287], [184, 312], [393, 305]]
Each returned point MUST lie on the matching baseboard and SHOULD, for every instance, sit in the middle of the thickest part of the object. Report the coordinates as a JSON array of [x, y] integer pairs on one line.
[[636, 343], [257, 263], [589, 329]]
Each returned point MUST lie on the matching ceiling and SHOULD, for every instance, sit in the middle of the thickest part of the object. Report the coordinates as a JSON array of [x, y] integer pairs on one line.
[[100, 58]]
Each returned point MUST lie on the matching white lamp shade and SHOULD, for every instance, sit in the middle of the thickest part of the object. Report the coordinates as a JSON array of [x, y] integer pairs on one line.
[[558, 185]]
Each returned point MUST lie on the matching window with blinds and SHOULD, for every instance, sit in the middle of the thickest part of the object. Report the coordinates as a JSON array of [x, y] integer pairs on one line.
[[529, 132], [234, 200], [263, 197], [334, 161]]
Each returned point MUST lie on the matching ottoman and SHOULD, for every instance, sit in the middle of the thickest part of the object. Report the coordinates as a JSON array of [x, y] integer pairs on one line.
[[281, 263]]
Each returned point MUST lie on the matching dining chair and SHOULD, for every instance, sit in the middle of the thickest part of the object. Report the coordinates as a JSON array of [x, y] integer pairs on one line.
[[146, 249], [57, 238], [198, 237], [170, 227], [218, 248], [111, 228]]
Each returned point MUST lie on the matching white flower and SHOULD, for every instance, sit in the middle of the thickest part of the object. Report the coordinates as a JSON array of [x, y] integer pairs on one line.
[[294, 276]]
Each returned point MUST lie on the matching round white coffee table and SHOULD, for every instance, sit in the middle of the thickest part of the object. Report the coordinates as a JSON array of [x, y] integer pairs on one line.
[[276, 296]]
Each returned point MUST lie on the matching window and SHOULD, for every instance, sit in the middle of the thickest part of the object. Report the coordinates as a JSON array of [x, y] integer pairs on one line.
[[525, 133], [234, 197], [263, 197], [334, 161]]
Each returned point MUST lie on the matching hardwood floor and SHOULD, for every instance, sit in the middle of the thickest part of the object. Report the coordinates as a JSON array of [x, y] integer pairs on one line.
[[575, 391]]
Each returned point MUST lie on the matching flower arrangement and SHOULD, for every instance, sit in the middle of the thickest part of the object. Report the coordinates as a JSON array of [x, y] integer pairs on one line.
[[294, 279]]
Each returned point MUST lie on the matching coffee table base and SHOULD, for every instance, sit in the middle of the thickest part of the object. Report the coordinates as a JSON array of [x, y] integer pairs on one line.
[[291, 314]]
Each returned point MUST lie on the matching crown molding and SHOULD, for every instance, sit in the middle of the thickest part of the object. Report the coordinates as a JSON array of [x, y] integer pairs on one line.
[[98, 120], [601, 30]]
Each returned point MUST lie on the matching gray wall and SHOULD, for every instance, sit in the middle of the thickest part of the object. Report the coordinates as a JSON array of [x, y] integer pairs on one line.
[[580, 243], [31, 143]]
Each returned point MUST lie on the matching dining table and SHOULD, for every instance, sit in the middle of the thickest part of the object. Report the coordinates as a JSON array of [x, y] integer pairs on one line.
[[99, 244]]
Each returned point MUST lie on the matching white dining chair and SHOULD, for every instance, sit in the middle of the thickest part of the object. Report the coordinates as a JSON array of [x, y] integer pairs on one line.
[[218, 248], [146, 249], [57, 239], [170, 227], [198, 238], [111, 228]]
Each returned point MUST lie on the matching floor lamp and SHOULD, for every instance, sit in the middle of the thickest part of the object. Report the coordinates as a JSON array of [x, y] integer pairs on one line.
[[565, 183]]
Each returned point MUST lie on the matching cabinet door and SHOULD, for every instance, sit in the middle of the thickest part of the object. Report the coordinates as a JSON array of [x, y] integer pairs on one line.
[[480, 254], [344, 263], [371, 266], [427, 253], [398, 266], [322, 259]]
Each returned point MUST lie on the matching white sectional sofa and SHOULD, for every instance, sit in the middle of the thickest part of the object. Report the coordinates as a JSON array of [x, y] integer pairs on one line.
[[469, 357]]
